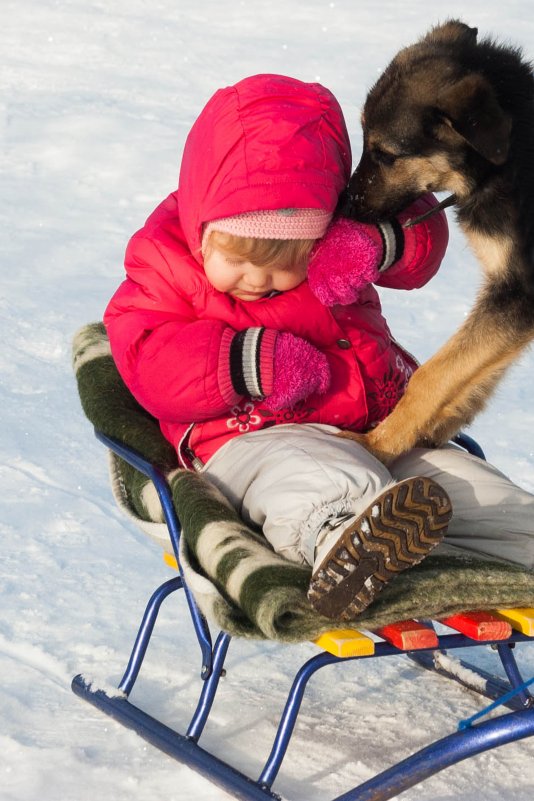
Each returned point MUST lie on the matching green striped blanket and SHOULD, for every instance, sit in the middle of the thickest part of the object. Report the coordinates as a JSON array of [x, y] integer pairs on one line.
[[239, 583]]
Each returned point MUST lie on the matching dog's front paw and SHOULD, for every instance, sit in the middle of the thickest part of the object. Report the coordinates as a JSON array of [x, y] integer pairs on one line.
[[361, 438], [377, 449]]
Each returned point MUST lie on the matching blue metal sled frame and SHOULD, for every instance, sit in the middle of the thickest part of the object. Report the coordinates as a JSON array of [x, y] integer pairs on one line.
[[473, 739]]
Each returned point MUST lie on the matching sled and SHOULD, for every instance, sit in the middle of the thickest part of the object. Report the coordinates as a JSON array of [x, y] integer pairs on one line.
[[418, 639]]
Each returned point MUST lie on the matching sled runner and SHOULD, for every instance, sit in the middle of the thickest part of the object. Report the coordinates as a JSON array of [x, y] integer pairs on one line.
[[483, 603]]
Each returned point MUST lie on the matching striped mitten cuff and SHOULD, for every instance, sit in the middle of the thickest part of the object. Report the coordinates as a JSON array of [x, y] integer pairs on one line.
[[251, 356], [392, 243]]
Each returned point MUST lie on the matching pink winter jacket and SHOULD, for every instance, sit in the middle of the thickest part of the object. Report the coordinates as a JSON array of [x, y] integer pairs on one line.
[[267, 142]]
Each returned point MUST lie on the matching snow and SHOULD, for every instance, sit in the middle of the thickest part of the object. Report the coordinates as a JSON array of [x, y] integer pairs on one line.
[[456, 668], [96, 100]]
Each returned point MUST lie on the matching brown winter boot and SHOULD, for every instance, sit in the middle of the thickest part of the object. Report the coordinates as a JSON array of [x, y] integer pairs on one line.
[[396, 531]]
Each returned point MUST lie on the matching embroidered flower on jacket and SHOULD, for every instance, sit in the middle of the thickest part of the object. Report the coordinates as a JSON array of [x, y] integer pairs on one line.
[[296, 415], [387, 394], [243, 418]]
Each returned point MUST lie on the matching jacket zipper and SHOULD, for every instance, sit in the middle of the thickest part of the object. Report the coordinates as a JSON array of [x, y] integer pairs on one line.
[[196, 463]]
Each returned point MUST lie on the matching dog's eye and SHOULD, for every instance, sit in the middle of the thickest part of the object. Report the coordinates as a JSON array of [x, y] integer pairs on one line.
[[383, 157]]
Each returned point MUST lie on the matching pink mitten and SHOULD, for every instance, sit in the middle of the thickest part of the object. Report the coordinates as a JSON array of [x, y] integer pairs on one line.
[[279, 367], [349, 256], [299, 370]]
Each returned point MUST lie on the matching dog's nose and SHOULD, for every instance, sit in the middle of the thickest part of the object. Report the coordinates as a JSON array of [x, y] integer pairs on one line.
[[345, 203], [351, 203]]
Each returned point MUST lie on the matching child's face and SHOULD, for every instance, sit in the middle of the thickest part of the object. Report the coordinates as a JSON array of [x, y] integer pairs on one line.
[[247, 281]]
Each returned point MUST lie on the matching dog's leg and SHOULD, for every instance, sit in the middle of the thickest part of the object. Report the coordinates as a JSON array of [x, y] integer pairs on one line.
[[447, 391], [466, 406]]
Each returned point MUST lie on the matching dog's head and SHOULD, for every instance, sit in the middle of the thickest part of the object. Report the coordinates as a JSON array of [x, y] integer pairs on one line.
[[430, 123]]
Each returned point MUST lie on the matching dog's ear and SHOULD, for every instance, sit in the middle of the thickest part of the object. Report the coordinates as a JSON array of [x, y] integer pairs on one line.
[[471, 109], [452, 31]]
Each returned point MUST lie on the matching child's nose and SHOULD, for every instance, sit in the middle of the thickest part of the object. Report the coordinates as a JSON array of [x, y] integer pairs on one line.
[[257, 279]]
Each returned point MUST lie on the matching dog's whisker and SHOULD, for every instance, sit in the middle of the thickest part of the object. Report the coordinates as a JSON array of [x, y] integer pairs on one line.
[[448, 201]]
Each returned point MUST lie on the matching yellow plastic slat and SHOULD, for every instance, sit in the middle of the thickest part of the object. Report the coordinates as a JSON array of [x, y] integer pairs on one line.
[[521, 619], [346, 642], [170, 559]]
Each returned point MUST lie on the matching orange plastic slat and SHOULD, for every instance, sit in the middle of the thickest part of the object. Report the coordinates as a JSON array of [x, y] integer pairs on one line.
[[409, 635], [480, 626]]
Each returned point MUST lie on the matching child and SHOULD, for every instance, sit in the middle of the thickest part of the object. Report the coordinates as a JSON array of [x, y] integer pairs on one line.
[[249, 327]]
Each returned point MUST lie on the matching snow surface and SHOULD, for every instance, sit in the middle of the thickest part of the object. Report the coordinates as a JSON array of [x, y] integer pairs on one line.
[[96, 100]]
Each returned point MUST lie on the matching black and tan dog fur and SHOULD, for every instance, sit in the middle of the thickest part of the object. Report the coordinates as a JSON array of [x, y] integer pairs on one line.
[[452, 113]]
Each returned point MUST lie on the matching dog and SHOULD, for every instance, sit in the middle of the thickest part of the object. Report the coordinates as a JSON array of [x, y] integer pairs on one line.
[[455, 114]]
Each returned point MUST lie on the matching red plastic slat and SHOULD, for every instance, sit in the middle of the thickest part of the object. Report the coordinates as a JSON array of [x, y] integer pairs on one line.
[[409, 635], [479, 626]]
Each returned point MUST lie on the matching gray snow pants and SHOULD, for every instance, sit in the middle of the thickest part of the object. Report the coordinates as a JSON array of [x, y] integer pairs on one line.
[[297, 481]]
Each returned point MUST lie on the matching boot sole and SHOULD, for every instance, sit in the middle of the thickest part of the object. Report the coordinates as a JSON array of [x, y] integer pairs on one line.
[[397, 531]]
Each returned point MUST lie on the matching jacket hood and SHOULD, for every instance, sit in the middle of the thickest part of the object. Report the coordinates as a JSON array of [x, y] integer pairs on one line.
[[269, 142]]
